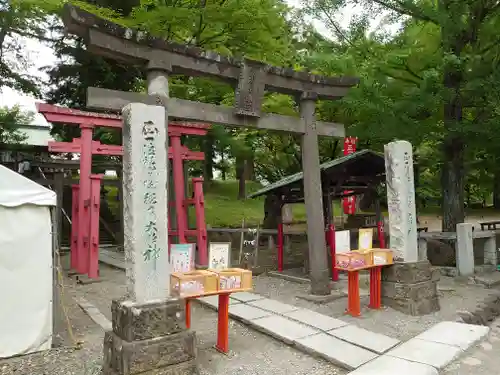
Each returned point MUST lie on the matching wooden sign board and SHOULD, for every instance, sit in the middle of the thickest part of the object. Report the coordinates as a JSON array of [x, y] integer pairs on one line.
[[219, 255], [182, 257]]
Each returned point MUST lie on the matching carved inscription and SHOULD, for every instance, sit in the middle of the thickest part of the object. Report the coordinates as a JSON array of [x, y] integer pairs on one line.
[[150, 200], [251, 85]]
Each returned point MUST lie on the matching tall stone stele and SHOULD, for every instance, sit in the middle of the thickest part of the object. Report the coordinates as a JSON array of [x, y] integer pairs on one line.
[[410, 285], [149, 335]]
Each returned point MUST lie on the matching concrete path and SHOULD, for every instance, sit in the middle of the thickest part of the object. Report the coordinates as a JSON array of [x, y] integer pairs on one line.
[[351, 347], [346, 345]]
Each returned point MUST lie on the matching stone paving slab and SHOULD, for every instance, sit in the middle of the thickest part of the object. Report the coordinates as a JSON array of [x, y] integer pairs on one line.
[[375, 342], [213, 301], [246, 296], [386, 365], [455, 334], [426, 352], [246, 313], [316, 320], [336, 351], [282, 328], [273, 306]]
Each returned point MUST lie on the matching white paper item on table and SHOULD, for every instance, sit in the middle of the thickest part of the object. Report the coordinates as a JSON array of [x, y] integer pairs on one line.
[[218, 255], [342, 241], [182, 257], [365, 239]]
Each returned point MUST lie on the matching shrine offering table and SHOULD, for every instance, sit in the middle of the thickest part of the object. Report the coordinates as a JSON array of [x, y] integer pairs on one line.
[[222, 344], [353, 298]]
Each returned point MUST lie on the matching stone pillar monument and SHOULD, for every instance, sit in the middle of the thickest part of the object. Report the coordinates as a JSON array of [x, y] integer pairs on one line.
[[149, 333], [409, 285]]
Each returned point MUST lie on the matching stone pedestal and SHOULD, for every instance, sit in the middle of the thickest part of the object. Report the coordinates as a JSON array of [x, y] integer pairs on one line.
[[149, 339], [411, 288]]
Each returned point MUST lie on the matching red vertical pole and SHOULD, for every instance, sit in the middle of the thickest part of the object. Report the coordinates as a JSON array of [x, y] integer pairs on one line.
[[331, 243], [74, 228], [223, 324], [94, 226], [381, 233], [280, 247], [188, 313], [353, 303], [179, 186], [84, 198], [201, 227], [375, 286], [349, 203]]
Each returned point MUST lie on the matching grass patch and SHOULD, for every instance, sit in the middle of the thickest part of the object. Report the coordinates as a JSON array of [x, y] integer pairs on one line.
[[223, 209]]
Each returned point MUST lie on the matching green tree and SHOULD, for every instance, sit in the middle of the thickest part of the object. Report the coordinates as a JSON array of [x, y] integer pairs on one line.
[[10, 119]]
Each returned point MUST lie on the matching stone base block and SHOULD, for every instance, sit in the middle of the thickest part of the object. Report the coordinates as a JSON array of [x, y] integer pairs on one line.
[[411, 288], [128, 358], [133, 322], [149, 339]]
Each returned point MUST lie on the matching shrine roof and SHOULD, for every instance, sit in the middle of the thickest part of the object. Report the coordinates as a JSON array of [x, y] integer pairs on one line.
[[81, 22], [364, 166]]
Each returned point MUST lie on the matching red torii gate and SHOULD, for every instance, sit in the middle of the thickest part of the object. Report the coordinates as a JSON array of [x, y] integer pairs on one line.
[[86, 196]]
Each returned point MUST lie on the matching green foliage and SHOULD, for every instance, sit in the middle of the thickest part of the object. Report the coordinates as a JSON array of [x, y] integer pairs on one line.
[[10, 119]]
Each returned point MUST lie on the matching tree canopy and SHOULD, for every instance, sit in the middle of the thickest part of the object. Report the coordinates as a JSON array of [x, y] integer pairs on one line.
[[432, 80]]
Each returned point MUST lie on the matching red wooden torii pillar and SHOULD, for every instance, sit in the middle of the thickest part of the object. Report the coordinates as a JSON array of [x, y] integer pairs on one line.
[[84, 254]]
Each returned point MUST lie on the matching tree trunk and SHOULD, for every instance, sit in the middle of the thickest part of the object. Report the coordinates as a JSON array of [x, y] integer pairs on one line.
[[250, 169], [223, 169], [496, 189], [240, 175], [208, 172], [452, 172], [453, 182]]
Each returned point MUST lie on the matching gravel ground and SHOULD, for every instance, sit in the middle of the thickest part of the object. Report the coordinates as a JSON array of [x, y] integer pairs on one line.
[[482, 359], [454, 296], [251, 353]]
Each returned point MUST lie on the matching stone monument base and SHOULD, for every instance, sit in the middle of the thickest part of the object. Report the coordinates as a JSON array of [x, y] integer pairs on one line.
[[411, 288], [149, 339]]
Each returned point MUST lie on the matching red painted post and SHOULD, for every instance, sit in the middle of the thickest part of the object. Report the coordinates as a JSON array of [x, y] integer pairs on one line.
[[84, 199], [94, 226], [349, 203], [74, 227], [223, 324], [375, 287], [280, 247], [188, 313], [179, 186], [381, 233], [201, 227], [331, 244], [353, 302]]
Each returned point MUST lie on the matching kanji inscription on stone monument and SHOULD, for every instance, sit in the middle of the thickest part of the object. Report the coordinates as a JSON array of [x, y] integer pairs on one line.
[[401, 200], [145, 202]]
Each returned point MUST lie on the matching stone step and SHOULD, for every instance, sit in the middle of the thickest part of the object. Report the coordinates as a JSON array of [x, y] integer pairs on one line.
[[426, 352], [273, 306], [375, 342], [246, 296], [316, 320], [246, 314], [282, 328], [455, 334], [386, 365], [336, 351]]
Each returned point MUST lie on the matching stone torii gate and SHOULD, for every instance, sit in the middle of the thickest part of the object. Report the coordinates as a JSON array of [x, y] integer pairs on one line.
[[250, 78]]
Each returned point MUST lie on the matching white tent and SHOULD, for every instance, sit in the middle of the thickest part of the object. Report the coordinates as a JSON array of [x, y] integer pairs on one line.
[[25, 265]]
